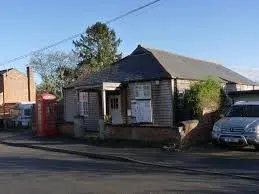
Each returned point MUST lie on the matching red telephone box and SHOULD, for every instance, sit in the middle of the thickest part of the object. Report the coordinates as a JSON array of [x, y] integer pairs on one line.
[[46, 115]]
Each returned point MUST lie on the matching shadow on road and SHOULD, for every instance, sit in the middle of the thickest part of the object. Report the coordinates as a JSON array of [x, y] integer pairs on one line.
[[225, 161], [99, 167], [120, 175]]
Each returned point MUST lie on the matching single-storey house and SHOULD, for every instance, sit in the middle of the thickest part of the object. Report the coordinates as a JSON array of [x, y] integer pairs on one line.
[[141, 88]]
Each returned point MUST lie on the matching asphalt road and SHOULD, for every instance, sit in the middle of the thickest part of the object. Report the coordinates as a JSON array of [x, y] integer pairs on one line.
[[32, 171]]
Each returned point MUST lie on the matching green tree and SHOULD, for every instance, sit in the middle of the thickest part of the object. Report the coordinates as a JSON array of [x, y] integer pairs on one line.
[[206, 95], [56, 69], [97, 48]]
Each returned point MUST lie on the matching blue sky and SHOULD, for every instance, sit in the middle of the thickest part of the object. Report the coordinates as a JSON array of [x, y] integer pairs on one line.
[[223, 31]]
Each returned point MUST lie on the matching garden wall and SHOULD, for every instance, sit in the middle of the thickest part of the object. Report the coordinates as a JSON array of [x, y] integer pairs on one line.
[[154, 133], [66, 128]]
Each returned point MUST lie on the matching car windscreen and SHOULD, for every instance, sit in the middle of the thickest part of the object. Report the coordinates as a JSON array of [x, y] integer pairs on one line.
[[244, 111]]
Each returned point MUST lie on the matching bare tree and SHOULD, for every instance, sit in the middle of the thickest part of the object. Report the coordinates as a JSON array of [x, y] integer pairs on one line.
[[56, 69]]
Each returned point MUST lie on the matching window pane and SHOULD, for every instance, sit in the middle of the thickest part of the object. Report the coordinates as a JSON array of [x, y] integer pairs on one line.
[[143, 91], [112, 103], [137, 88], [81, 109], [116, 103], [147, 92], [83, 96], [85, 108]]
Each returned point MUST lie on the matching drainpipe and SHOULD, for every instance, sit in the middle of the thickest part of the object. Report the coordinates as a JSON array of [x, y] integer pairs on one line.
[[175, 102]]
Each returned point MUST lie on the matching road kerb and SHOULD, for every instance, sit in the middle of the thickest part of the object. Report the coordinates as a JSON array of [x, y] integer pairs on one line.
[[124, 159]]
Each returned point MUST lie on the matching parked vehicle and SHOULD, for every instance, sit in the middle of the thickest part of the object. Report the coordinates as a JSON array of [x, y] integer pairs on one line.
[[239, 127], [22, 114]]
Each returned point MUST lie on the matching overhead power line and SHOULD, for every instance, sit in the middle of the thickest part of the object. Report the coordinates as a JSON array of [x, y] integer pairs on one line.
[[79, 34], [132, 11]]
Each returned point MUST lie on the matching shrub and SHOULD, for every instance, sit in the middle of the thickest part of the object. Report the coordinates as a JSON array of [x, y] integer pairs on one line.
[[204, 96]]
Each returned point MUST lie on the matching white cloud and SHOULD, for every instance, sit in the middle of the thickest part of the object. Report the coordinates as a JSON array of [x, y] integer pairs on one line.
[[249, 72]]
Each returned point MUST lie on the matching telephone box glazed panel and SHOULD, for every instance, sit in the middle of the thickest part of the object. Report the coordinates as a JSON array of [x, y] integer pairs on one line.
[[46, 115]]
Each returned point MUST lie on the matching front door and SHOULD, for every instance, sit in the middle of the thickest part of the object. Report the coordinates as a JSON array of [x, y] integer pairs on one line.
[[115, 109]]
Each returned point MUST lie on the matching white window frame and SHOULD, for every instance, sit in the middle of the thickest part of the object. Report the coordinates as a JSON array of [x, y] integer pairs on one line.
[[142, 91], [83, 103]]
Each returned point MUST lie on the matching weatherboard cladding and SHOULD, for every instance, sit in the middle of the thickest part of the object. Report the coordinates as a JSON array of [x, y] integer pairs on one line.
[[162, 101], [70, 105], [91, 121]]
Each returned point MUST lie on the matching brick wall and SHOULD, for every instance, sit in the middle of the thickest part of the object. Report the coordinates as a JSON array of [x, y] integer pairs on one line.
[[5, 110], [16, 87], [141, 132], [1, 90], [66, 128], [32, 86], [197, 132]]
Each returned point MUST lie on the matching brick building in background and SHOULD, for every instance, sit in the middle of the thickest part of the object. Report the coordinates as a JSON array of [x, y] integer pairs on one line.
[[16, 87]]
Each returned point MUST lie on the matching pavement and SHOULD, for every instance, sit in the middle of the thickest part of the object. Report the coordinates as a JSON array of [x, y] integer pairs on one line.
[[232, 163], [30, 171]]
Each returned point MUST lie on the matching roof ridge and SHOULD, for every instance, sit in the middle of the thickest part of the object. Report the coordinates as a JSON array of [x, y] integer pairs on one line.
[[182, 55]]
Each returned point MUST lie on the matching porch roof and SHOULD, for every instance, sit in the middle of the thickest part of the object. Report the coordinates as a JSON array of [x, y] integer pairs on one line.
[[101, 86]]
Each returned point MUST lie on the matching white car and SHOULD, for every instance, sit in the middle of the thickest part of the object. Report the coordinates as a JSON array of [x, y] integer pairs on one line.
[[239, 127], [22, 113]]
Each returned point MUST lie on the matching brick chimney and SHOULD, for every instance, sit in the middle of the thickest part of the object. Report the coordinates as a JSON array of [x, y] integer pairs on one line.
[[31, 84]]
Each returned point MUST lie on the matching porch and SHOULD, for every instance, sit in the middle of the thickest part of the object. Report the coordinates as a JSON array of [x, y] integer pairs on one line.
[[138, 110], [106, 101]]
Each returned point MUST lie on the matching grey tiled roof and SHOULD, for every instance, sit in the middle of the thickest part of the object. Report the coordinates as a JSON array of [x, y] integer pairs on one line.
[[188, 68], [150, 64], [130, 68]]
